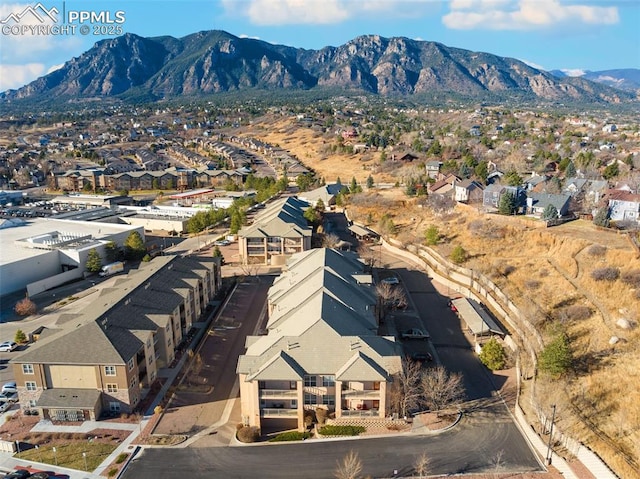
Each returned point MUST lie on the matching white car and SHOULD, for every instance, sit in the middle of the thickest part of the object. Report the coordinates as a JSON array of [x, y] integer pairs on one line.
[[8, 346], [9, 387], [5, 406], [391, 280], [9, 397]]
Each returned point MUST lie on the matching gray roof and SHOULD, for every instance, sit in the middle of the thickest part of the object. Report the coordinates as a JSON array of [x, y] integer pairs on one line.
[[281, 219], [115, 326], [476, 318], [542, 200], [69, 398], [323, 319], [326, 193]]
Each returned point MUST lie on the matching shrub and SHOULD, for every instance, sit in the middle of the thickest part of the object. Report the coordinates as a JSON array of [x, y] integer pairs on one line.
[[576, 312], [25, 307], [112, 472], [532, 284], [121, 457], [597, 250], [248, 434], [20, 337], [342, 430], [432, 235], [493, 355], [632, 278], [291, 436], [605, 274], [458, 255]]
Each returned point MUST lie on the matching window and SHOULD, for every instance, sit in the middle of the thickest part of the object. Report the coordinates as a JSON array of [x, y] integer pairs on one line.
[[133, 382], [329, 400], [309, 381], [30, 385], [294, 404], [293, 385], [114, 406], [309, 399], [376, 385], [112, 388], [109, 370], [262, 385], [328, 380], [130, 364], [32, 403], [27, 368]]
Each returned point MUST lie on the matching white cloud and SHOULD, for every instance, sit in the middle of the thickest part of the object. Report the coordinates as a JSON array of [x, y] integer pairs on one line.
[[26, 45], [573, 72], [15, 76], [291, 12], [524, 14]]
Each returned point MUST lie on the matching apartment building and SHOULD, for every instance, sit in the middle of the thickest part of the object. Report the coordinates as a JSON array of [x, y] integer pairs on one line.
[[279, 231], [321, 349], [105, 358]]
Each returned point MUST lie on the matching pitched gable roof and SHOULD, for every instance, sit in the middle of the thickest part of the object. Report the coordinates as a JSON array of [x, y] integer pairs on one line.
[[361, 368]]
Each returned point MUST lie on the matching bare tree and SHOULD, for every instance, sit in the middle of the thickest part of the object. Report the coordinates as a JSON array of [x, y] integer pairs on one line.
[[406, 391], [251, 267], [441, 388], [390, 296], [370, 257], [349, 468], [421, 465], [330, 241], [497, 461]]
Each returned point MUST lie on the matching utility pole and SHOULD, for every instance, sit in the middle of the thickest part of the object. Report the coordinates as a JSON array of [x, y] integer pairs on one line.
[[549, 451]]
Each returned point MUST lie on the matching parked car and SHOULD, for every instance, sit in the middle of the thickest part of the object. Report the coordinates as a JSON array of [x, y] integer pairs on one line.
[[8, 346], [5, 406], [414, 333], [40, 475], [390, 280], [422, 357], [18, 474], [222, 243], [9, 397], [9, 387]]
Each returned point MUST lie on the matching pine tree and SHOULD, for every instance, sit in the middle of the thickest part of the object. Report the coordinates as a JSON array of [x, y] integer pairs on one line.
[[507, 204], [493, 355], [369, 182]]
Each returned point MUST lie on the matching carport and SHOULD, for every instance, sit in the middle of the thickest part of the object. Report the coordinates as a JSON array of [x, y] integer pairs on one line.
[[478, 321], [362, 233]]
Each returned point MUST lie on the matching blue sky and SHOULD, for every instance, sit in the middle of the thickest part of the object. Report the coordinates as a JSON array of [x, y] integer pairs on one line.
[[548, 34]]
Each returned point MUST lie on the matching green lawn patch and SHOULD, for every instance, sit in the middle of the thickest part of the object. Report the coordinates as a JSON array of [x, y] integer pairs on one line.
[[342, 430], [291, 436]]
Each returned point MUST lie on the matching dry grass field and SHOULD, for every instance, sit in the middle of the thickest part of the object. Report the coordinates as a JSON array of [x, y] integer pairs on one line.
[[546, 272]]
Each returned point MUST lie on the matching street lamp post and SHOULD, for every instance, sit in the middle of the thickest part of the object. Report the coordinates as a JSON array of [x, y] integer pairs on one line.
[[549, 452], [55, 456], [84, 456]]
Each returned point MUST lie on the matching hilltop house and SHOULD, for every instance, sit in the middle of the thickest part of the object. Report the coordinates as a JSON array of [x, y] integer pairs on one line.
[[468, 191], [321, 350], [538, 202], [623, 205]]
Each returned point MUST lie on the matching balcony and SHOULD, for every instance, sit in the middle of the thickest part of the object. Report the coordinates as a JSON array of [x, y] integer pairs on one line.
[[278, 393], [361, 394], [278, 412]]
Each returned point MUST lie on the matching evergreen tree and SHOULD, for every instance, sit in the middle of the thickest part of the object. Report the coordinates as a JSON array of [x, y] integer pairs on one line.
[[570, 172], [602, 217], [20, 337], [493, 355], [555, 359], [512, 178], [507, 204], [94, 262], [550, 212], [134, 247], [218, 254], [112, 252], [369, 182]]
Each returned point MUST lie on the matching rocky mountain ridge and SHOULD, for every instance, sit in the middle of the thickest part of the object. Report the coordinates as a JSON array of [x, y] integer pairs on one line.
[[214, 61]]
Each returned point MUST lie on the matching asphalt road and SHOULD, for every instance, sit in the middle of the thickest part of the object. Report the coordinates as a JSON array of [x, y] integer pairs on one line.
[[485, 440], [471, 447]]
